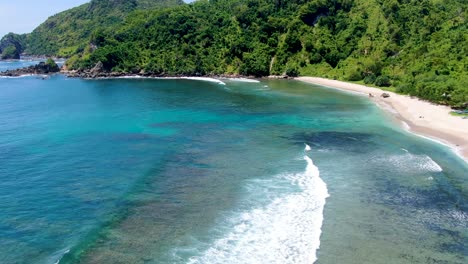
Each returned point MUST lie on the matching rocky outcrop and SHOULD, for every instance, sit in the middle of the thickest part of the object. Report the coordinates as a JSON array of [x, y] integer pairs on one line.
[[98, 68], [385, 95], [11, 46], [93, 75], [98, 71], [43, 68]]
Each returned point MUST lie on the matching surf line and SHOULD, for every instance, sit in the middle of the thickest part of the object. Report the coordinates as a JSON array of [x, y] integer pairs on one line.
[[321, 194], [286, 230]]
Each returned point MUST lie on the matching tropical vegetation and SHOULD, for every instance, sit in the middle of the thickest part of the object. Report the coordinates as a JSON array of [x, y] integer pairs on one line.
[[416, 47], [11, 46]]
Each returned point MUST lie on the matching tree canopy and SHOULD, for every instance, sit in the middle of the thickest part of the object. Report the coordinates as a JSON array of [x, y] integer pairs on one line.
[[417, 47], [11, 46], [68, 32]]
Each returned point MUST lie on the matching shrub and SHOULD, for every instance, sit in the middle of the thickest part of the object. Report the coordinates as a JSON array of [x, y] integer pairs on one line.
[[52, 66], [369, 79], [292, 70], [354, 76], [9, 53], [383, 81]]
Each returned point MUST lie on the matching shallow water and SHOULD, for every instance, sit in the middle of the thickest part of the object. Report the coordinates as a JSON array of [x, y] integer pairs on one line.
[[191, 171]]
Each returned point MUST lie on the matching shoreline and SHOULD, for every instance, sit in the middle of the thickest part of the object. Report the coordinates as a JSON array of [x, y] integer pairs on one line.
[[417, 116]]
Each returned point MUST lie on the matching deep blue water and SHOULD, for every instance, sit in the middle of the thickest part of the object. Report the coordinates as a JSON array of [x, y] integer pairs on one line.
[[187, 171]]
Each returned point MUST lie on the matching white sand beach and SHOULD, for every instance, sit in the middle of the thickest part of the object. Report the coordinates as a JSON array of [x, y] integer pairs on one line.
[[422, 117]]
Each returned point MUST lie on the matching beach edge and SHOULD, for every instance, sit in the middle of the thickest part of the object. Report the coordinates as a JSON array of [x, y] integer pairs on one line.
[[417, 116]]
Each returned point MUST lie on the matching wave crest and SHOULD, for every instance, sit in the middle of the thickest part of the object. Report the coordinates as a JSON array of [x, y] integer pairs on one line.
[[286, 230]]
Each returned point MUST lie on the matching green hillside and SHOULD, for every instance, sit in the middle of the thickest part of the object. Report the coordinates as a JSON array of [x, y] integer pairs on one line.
[[11, 46], [68, 32], [417, 47]]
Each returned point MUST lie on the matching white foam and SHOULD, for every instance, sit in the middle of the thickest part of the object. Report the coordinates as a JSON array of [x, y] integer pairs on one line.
[[431, 165], [456, 149], [21, 76], [244, 80], [60, 254], [307, 148], [459, 215], [405, 125], [131, 77], [206, 79], [286, 230], [414, 162]]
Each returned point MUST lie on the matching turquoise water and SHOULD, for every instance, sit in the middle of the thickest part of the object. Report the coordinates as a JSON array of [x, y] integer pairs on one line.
[[187, 171]]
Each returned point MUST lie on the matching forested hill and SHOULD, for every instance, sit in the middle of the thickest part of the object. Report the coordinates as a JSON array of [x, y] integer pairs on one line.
[[418, 47], [68, 32]]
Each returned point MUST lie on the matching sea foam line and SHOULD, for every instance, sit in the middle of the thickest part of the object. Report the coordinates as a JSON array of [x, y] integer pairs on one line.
[[422, 163], [23, 76], [286, 230], [61, 254], [246, 80], [204, 79]]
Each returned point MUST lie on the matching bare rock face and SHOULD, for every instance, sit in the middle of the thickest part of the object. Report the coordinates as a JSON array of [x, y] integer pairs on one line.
[[98, 68], [98, 71]]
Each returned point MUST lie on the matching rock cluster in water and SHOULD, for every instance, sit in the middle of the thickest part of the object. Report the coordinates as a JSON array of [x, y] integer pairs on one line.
[[42, 68]]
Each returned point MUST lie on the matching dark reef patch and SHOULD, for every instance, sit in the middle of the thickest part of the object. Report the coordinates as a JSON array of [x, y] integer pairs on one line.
[[339, 141]]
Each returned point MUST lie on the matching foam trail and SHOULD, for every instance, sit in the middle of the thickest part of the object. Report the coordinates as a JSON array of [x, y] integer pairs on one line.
[[244, 80], [414, 162], [61, 254], [307, 148], [131, 77], [204, 79], [286, 230], [21, 76]]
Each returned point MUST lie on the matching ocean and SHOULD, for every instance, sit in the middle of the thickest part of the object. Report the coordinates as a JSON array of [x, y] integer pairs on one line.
[[229, 171]]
